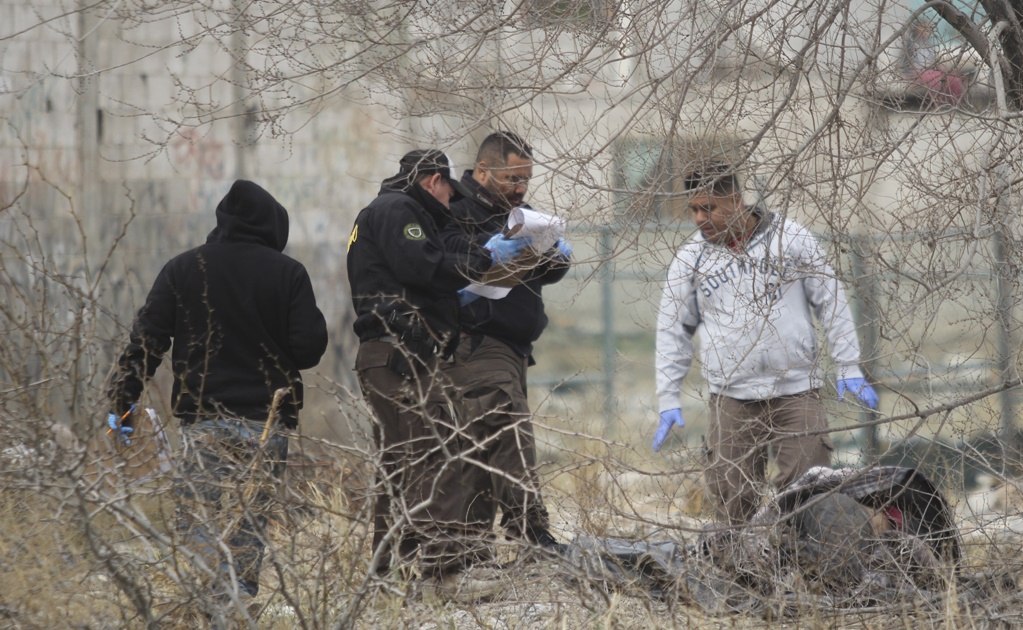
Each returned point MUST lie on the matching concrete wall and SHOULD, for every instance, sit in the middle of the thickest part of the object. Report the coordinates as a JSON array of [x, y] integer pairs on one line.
[[124, 143]]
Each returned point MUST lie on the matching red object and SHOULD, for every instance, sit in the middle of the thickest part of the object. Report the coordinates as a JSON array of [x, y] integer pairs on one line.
[[943, 87], [894, 514]]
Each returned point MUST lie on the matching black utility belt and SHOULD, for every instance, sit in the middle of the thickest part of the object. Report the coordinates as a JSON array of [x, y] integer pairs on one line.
[[405, 362]]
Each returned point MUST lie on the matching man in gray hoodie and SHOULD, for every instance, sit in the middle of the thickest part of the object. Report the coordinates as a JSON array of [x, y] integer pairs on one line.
[[752, 283]]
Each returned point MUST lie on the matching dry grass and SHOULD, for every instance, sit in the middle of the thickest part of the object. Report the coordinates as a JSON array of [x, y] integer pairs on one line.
[[82, 550]]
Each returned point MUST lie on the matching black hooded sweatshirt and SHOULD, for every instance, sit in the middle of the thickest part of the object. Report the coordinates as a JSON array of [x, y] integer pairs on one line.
[[519, 318], [397, 262], [241, 314]]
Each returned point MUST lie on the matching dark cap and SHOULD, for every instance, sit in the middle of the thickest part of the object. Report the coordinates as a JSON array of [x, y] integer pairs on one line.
[[424, 162]]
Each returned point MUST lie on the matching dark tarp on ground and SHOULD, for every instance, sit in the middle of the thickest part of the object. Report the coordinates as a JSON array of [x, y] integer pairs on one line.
[[811, 545]]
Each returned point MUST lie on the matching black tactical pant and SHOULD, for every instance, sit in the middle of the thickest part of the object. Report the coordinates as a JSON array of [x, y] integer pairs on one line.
[[500, 427], [419, 504]]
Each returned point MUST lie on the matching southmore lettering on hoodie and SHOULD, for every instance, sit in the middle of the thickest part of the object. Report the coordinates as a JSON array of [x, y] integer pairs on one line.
[[754, 309]]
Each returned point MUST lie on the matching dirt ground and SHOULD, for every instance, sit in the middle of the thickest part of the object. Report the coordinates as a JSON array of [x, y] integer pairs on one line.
[[74, 548]]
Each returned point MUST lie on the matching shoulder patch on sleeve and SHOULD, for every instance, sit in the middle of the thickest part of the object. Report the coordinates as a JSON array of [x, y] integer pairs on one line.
[[354, 237], [414, 232]]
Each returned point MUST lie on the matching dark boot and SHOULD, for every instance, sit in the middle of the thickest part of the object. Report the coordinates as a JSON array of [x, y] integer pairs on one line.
[[546, 540]]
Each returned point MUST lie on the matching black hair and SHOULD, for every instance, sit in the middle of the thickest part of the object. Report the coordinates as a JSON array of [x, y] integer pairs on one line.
[[495, 148], [718, 179]]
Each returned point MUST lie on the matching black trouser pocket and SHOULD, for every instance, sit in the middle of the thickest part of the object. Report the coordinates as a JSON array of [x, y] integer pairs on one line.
[[399, 364]]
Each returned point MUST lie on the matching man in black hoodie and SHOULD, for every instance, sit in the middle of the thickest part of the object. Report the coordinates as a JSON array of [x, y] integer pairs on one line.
[[243, 321], [497, 344], [404, 286]]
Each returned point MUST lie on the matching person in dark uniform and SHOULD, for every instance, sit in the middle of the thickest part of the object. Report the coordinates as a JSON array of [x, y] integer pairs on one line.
[[404, 287], [243, 320], [497, 345]]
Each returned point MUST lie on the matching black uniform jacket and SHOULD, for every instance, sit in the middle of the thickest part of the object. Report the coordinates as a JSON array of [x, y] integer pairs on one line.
[[397, 262], [242, 317], [517, 319]]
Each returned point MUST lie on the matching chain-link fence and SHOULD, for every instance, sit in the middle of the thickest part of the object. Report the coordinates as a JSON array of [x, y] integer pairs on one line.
[[952, 370]]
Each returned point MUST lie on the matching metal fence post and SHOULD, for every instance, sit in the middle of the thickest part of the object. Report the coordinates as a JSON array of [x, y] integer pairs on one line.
[[607, 308], [865, 314], [1004, 315]]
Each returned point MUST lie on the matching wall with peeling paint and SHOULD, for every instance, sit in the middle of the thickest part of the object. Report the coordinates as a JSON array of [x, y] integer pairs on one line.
[[95, 180]]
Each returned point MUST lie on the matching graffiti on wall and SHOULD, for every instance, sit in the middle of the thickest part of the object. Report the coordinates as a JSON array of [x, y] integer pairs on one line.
[[196, 154]]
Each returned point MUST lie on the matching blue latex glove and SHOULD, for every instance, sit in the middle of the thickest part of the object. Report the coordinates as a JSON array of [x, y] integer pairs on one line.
[[116, 424], [504, 250], [466, 297], [861, 388], [669, 418], [563, 247]]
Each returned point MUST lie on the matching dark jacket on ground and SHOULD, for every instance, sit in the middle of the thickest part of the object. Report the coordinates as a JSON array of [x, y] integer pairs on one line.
[[241, 314], [397, 262], [518, 319]]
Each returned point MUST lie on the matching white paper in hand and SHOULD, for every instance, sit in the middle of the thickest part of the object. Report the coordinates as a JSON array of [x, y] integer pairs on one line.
[[542, 229]]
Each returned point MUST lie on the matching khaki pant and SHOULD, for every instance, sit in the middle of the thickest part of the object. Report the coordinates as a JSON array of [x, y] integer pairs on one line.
[[499, 423], [420, 504], [738, 438]]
